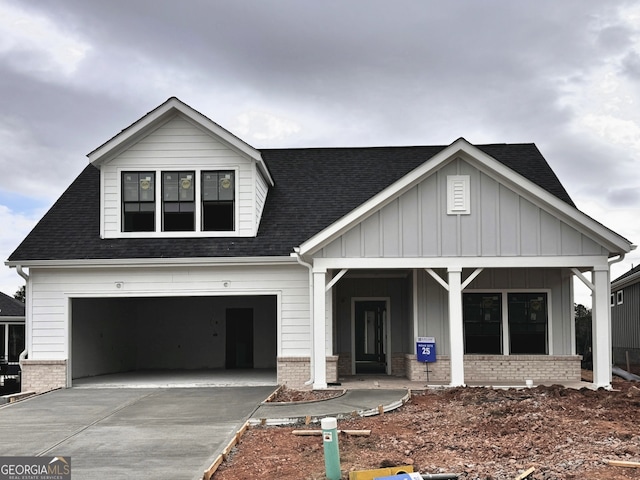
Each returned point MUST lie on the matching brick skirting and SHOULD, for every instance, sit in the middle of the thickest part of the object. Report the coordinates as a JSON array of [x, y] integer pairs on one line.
[[295, 371], [43, 375], [499, 368]]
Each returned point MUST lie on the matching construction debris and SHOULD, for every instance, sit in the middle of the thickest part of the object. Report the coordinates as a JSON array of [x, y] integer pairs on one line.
[[478, 433]]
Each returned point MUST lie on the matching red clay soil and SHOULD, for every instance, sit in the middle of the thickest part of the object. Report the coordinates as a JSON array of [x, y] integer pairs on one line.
[[477, 433]]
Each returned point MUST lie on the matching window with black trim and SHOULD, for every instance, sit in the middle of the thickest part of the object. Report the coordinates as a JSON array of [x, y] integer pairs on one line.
[[527, 323], [218, 201], [138, 202], [178, 202], [483, 323]]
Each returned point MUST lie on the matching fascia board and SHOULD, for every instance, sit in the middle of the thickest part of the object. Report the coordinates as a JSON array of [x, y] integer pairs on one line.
[[379, 200], [462, 148], [163, 113], [626, 281], [154, 262], [540, 197]]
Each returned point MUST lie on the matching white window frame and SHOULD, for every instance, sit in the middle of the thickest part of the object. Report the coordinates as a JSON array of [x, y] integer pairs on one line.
[[197, 232], [620, 297]]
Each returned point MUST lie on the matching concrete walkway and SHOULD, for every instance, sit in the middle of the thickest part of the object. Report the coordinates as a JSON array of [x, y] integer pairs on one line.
[[349, 403]]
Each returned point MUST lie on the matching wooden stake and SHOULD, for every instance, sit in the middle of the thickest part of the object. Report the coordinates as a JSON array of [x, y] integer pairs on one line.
[[621, 463], [525, 474], [355, 433]]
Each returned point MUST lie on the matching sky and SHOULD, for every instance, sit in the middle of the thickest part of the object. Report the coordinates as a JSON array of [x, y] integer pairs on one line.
[[564, 75]]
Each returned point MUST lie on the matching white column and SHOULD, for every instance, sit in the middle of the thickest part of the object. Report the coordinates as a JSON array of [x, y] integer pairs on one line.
[[601, 328], [319, 329], [456, 333]]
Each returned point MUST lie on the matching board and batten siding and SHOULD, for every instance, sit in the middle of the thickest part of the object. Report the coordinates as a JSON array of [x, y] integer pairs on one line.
[[52, 289], [433, 301], [179, 144], [625, 318], [501, 223]]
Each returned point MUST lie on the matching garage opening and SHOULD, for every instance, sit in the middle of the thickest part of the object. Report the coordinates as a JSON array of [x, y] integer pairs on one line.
[[151, 334]]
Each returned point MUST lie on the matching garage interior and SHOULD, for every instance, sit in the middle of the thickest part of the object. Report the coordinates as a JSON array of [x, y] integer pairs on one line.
[[143, 336]]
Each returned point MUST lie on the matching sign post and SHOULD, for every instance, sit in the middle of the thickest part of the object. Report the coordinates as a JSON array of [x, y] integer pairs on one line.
[[426, 351]]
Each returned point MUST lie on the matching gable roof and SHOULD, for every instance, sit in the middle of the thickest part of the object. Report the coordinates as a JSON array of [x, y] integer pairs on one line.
[[518, 179], [313, 188], [632, 276], [161, 114], [10, 307]]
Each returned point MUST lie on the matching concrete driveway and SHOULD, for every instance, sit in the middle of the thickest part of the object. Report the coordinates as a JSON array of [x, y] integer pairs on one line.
[[129, 433]]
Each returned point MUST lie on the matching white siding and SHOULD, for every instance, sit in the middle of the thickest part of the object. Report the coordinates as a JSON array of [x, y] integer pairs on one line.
[[179, 144], [261, 196], [51, 290], [501, 223]]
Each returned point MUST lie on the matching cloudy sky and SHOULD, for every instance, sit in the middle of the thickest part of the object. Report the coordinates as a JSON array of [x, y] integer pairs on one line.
[[288, 73]]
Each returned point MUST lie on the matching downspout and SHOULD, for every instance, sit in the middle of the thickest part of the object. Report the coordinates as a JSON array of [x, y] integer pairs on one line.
[[296, 251], [25, 352]]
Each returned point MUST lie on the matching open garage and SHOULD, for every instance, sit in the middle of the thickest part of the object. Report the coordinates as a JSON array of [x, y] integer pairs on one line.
[[116, 335]]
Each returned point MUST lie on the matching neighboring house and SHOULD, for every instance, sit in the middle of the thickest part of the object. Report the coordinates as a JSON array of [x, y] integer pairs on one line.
[[181, 246], [625, 317], [12, 335]]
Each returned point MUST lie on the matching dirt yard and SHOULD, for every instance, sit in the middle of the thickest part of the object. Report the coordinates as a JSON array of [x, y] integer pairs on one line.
[[477, 433]]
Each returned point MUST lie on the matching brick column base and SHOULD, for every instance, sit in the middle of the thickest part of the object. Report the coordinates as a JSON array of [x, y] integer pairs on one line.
[[43, 375], [295, 371]]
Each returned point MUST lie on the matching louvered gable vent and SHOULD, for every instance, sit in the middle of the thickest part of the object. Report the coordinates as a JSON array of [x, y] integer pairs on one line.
[[458, 195]]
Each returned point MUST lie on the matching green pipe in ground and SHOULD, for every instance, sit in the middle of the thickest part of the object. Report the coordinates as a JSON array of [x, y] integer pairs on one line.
[[331, 451]]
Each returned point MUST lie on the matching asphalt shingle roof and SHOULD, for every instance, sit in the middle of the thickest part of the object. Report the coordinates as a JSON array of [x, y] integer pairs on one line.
[[313, 188], [10, 307]]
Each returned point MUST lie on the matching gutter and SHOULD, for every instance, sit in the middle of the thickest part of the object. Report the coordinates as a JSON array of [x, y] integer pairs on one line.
[[298, 258], [27, 319]]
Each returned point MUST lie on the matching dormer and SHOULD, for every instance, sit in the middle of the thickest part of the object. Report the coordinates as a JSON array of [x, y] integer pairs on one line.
[[176, 173]]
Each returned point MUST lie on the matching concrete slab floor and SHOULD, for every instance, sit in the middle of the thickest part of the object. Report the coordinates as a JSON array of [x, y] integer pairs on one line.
[[180, 379]]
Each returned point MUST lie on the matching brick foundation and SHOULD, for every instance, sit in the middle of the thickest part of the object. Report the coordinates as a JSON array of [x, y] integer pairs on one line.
[[43, 375], [295, 371], [499, 368]]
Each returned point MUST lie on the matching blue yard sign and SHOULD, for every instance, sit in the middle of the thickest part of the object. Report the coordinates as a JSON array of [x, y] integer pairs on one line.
[[426, 349]]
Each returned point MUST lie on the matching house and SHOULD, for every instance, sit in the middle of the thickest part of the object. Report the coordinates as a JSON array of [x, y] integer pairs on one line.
[[180, 246], [12, 338], [625, 317]]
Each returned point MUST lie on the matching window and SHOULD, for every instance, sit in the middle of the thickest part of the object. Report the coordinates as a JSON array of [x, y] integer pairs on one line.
[[218, 201], [527, 323], [612, 301], [619, 297], [11, 341], [178, 202], [482, 323], [190, 201], [16, 342], [138, 201], [521, 319]]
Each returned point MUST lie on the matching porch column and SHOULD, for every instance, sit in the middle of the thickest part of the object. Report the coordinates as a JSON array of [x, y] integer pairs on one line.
[[319, 329], [456, 334], [601, 331]]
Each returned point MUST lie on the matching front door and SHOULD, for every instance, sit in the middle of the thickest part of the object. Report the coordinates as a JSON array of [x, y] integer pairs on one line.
[[370, 334], [239, 338]]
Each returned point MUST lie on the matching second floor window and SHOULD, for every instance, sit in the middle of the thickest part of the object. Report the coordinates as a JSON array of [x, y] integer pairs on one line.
[[218, 194], [189, 201], [178, 202], [138, 201]]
